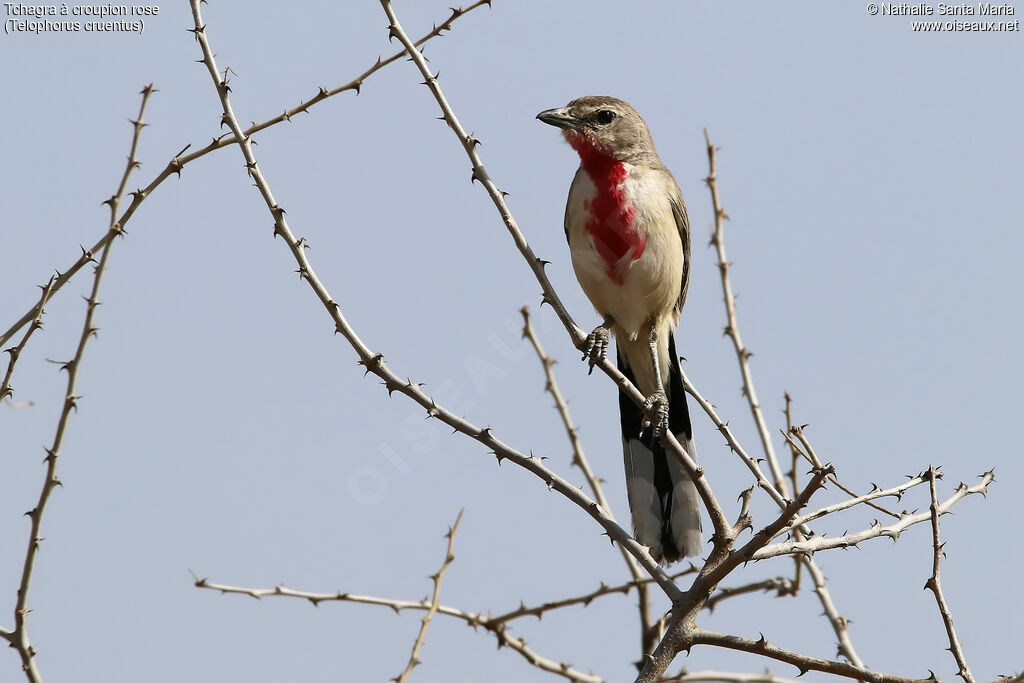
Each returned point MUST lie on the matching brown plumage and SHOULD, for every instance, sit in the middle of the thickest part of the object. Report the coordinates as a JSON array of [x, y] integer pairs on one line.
[[629, 238]]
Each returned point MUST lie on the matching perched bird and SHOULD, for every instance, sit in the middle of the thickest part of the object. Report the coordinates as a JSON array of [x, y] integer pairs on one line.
[[629, 238]]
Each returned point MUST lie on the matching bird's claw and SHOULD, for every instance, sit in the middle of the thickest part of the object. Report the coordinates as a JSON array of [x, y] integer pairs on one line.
[[596, 348], [658, 402]]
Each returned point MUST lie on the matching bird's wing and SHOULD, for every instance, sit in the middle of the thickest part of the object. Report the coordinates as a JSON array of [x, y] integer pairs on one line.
[[577, 182], [683, 225]]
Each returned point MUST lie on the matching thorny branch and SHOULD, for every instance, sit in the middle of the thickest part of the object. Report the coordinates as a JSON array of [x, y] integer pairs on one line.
[[497, 625], [497, 628], [794, 459], [374, 362], [414, 657], [817, 543], [838, 621], [647, 627], [579, 459], [780, 584], [895, 491], [6, 391], [681, 629], [585, 599], [721, 558], [682, 632], [801, 661], [732, 329], [180, 160], [725, 677], [18, 638], [806, 451], [934, 583], [718, 518], [797, 528]]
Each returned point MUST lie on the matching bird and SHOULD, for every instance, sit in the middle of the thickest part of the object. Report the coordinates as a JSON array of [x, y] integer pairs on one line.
[[629, 241]]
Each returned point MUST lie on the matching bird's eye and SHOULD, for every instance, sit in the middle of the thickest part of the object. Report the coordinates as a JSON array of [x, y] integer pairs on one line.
[[604, 117]]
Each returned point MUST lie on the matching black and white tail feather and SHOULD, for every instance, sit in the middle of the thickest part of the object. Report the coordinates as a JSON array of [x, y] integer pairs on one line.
[[663, 500]]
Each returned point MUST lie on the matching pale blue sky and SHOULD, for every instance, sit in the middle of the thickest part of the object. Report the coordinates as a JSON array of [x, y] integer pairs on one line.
[[873, 176]]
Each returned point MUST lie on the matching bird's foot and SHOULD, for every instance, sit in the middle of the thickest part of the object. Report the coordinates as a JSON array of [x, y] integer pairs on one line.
[[596, 348], [657, 402]]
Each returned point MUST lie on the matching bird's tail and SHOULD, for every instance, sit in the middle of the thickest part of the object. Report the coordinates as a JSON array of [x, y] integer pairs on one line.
[[662, 498]]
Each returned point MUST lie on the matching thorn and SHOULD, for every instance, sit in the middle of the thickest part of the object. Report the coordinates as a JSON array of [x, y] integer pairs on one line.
[[374, 361]]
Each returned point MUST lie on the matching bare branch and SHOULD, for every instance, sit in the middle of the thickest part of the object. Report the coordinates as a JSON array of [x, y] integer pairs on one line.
[[19, 638], [469, 144], [580, 460], [795, 457], [732, 329], [499, 630], [896, 491], [725, 677], [798, 527], [811, 457], [734, 444], [374, 362], [681, 626], [762, 537], [780, 584], [180, 160], [414, 657], [802, 662], [934, 584], [816, 543], [838, 621], [15, 352], [585, 599]]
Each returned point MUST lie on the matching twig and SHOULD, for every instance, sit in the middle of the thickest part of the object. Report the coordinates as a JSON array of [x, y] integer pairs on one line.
[[725, 677], [734, 444], [743, 356], [838, 621], [585, 599], [469, 144], [798, 431], [814, 544], [15, 351], [732, 329], [19, 638], [896, 491], [499, 630], [374, 362], [180, 160], [579, 459], [802, 662], [780, 584], [762, 537], [414, 657], [797, 565], [934, 583]]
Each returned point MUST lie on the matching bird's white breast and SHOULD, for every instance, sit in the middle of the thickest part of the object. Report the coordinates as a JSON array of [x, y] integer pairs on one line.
[[650, 283]]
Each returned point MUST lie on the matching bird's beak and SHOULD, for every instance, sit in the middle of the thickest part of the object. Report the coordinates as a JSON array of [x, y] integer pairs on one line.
[[560, 118]]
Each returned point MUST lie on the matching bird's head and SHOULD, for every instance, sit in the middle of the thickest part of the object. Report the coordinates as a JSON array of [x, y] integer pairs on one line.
[[606, 125]]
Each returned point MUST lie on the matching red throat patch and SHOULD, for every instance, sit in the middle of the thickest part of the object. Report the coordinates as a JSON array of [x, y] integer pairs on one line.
[[610, 221]]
